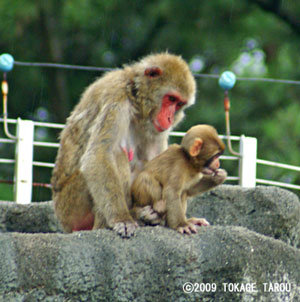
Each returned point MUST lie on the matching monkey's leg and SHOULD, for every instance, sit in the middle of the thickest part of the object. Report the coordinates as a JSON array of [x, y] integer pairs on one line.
[[193, 220], [147, 194], [160, 207], [73, 205], [176, 209], [189, 228], [108, 178]]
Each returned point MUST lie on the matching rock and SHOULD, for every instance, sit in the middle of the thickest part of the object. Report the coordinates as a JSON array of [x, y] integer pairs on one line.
[[223, 262], [231, 263], [37, 217], [270, 211]]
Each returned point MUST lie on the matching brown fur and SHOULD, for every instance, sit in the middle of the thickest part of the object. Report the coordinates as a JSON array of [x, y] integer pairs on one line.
[[92, 176], [168, 180]]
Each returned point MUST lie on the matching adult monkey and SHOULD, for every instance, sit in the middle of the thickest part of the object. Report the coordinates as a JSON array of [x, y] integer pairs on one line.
[[122, 121]]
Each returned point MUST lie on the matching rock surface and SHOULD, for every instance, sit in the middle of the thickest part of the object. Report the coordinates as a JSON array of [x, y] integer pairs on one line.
[[37, 217], [152, 266], [270, 211], [220, 263]]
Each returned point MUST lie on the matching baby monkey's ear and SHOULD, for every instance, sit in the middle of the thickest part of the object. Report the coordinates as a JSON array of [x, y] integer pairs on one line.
[[196, 146]]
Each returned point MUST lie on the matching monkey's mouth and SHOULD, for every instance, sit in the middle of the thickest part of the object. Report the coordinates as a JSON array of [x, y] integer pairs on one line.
[[208, 171], [158, 127]]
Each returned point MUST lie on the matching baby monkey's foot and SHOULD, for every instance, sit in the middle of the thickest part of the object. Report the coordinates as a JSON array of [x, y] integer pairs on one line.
[[198, 221], [188, 229], [150, 216], [191, 226]]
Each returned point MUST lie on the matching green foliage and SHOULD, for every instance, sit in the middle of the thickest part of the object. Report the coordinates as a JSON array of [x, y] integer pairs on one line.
[[283, 134], [113, 32], [7, 193]]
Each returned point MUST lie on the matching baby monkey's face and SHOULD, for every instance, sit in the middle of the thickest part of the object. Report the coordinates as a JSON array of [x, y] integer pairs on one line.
[[204, 147], [212, 164]]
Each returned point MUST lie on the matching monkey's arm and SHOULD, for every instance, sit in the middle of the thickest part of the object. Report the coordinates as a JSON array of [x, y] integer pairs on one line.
[[208, 182], [105, 168]]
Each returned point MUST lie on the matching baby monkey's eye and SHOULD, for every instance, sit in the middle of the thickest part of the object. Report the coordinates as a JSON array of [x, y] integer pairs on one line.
[[210, 160]]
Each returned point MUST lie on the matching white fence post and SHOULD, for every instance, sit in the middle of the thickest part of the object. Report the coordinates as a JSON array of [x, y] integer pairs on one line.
[[247, 163], [24, 158]]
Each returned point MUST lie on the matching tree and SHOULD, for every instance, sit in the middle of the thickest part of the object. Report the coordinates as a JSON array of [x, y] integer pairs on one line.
[[212, 35]]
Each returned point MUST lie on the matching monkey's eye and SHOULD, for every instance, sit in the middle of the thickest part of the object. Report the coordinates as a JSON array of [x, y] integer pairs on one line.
[[209, 161], [179, 105], [172, 98]]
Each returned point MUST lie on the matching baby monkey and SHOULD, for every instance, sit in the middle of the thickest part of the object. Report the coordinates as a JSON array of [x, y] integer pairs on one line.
[[181, 171]]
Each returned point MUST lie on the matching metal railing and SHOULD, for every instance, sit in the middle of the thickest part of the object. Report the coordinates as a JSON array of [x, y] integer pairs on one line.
[[24, 159]]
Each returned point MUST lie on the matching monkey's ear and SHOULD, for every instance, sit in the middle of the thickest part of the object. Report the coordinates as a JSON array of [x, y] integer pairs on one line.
[[153, 72], [196, 147]]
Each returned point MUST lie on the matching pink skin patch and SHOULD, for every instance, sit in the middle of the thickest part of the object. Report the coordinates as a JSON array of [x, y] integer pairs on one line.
[[85, 224], [129, 153]]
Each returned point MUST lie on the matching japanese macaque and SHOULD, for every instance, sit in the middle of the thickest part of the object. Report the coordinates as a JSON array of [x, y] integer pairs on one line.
[[181, 171], [122, 121]]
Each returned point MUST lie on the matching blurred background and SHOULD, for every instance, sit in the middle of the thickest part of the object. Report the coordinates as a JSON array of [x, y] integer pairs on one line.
[[254, 38]]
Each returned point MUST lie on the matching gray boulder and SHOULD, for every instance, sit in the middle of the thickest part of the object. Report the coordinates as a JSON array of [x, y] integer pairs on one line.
[[158, 264], [270, 211], [37, 217], [228, 261]]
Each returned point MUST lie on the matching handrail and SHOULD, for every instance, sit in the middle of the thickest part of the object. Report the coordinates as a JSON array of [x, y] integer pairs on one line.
[[245, 150]]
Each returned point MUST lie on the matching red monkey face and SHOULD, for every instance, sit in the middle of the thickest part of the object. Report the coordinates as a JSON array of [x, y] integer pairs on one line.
[[171, 103], [169, 85]]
